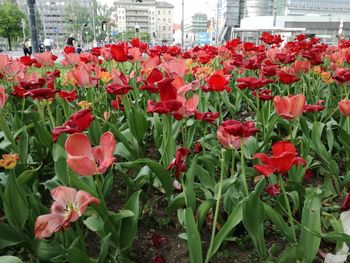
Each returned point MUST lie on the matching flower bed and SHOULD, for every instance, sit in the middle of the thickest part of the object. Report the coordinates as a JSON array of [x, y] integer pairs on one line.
[[133, 153]]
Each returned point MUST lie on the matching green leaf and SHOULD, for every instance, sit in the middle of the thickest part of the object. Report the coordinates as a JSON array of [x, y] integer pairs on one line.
[[27, 175], [203, 210], [159, 170], [137, 123], [128, 229], [234, 219], [94, 223], [10, 236], [193, 237], [10, 259], [104, 249], [47, 250], [121, 215], [75, 255], [278, 221], [311, 219], [23, 146], [15, 203], [188, 185], [42, 134], [255, 224], [6, 129], [177, 202]]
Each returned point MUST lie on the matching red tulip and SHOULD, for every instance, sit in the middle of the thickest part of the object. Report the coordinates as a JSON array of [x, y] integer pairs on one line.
[[68, 95], [117, 104], [287, 78], [342, 75], [118, 53], [69, 205], [284, 156], [207, 116], [315, 107], [217, 82], [77, 122], [3, 97], [41, 93], [230, 133], [159, 259], [82, 77], [117, 89], [273, 189], [263, 95], [27, 60], [344, 107], [346, 204], [179, 163], [69, 49], [88, 161], [289, 107], [18, 92], [300, 66], [252, 83]]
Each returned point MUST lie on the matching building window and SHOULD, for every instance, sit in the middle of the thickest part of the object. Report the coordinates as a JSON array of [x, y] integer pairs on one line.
[[164, 28], [158, 12]]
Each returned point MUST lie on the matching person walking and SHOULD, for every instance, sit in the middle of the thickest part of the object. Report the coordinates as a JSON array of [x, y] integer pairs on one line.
[[47, 44], [30, 46], [71, 40], [25, 48]]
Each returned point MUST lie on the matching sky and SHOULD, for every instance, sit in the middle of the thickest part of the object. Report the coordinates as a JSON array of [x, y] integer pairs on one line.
[[191, 6]]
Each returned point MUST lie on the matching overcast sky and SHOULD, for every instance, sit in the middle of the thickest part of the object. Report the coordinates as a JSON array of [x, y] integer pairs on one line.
[[191, 6]]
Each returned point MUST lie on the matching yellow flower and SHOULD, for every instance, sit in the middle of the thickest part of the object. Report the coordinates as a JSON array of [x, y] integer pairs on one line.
[[105, 76], [84, 104], [326, 77], [317, 69], [9, 161]]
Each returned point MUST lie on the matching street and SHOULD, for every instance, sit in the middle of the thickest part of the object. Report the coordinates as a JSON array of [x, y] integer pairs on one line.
[[19, 53]]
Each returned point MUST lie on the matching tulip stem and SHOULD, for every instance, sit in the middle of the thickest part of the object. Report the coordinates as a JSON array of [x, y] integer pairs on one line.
[[289, 211], [217, 206], [244, 179], [50, 114], [233, 151]]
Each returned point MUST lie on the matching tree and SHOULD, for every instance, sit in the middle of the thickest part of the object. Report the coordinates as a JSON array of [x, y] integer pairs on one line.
[[10, 21]]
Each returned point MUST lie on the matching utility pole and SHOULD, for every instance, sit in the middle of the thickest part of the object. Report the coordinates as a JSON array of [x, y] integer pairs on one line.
[[217, 24], [32, 26], [94, 42], [183, 25], [24, 28]]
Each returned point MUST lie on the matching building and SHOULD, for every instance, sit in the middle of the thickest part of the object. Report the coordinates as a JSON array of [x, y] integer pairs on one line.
[[251, 8], [54, 17], [319, 7], [164, 14], [155, 18], [196, 23], [230, 18]]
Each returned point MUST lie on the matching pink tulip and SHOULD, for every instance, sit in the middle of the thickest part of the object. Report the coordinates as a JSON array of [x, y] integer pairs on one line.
[[69, 205], [82, 77], [45, 59], [3, 97], [87, 161]]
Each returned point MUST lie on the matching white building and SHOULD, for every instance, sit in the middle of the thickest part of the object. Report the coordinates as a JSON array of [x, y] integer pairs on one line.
[[164, 29]]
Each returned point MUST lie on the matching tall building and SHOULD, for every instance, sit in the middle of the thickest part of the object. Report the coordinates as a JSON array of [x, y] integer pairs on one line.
[[54, 17], [230, 18], [250, 8], [319, 7], [196, 23], [164, 14], [150, 16]]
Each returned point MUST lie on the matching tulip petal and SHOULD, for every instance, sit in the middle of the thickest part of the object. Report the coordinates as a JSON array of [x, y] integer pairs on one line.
[[63, 195], [46, 225], [78, 145], [282, 147], [82, 165], [84, 199]]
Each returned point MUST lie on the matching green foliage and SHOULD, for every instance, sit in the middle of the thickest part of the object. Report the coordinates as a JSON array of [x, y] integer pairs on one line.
[[10, 21]]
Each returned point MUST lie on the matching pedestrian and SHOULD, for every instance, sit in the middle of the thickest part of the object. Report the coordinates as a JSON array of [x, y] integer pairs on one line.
[[24, 46], [30, 46], [78, 50], [47, 44], [71, 40]]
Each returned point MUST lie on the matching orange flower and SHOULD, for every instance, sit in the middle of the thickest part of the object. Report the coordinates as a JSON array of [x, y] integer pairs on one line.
[[9, 161], [289, 107], [105, 77], [326, 77], [84, 104], [317, 69]]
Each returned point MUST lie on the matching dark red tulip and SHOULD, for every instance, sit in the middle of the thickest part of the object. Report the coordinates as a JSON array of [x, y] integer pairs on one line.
[[158, 240], [342, 75], [197, 147], [77, 122], [18, 92], [273, 189], [252, 83], [315, 107], [41, 93], [284, 156], [117, 89], [287, 78], [159, 259], [207, 116], [27, 60], [68, 95], [263, 95], [179, 163]]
